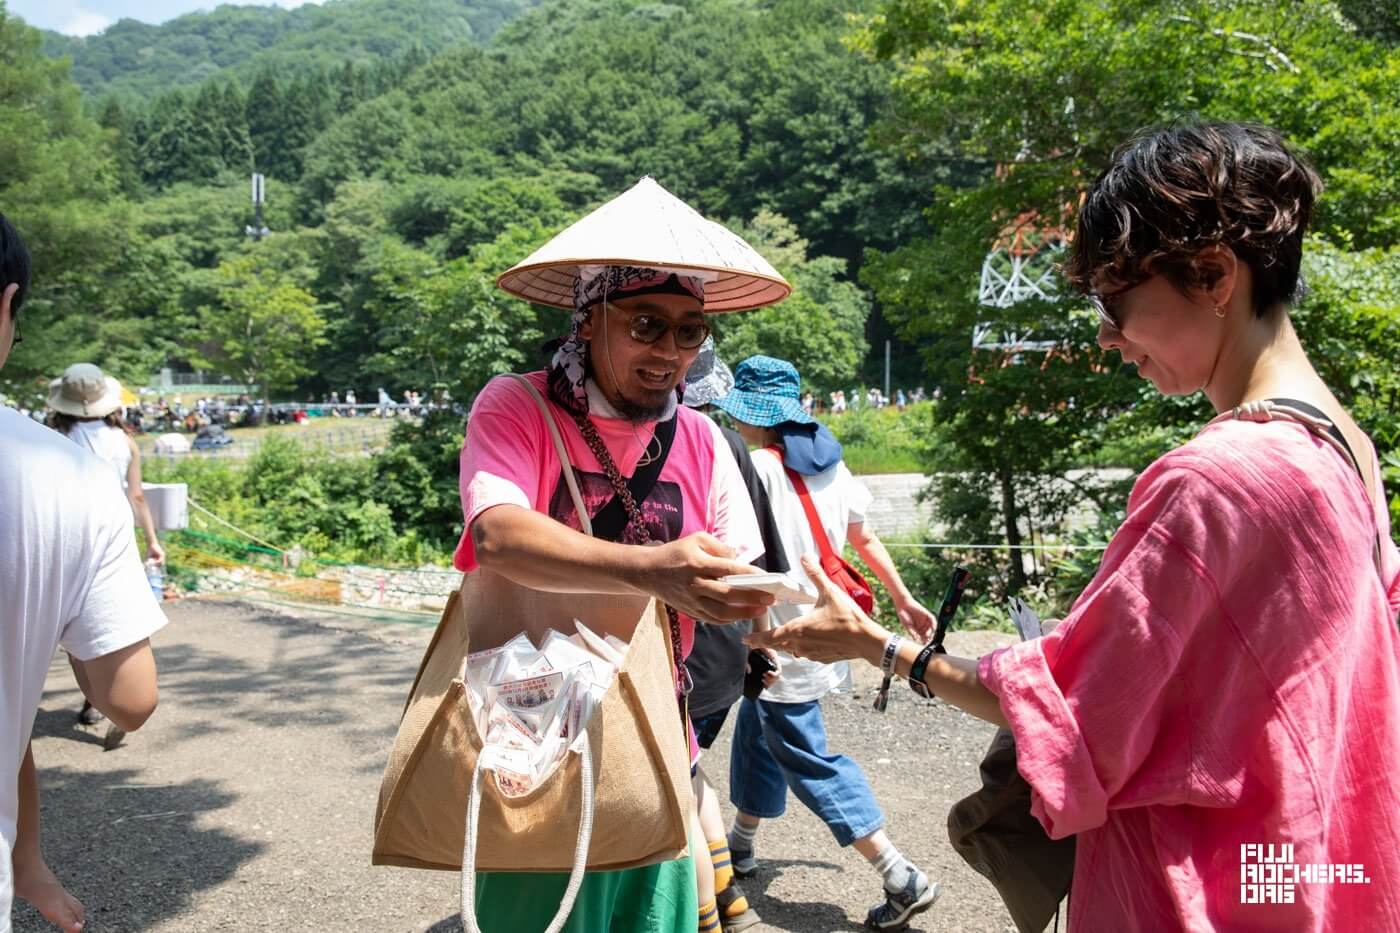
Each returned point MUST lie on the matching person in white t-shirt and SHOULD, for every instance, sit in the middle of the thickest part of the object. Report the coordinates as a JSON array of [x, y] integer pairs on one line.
[[780, 740], [85, 407], [70, 575]]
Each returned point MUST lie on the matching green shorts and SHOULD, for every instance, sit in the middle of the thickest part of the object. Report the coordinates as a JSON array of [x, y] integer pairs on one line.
[[653, 899]]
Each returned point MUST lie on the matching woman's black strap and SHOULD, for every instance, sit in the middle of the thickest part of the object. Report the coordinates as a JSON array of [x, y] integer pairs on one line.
[[1312, 411]]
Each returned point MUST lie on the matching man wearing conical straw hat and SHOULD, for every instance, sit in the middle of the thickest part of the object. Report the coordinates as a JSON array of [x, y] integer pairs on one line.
[[640, 275]]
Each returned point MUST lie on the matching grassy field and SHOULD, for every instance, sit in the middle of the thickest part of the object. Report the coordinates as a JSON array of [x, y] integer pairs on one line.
[[883, 440]]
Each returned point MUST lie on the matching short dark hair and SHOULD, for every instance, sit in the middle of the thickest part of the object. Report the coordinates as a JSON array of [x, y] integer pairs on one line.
[[1170, 193], [14, 263]]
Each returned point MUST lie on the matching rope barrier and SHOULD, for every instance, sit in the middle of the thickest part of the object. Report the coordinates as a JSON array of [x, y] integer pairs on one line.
[[229, 542], [231, 525], [283, 552]]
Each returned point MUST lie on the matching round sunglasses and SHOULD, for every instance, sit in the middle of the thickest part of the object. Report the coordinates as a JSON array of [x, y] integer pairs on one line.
[[649, 328]]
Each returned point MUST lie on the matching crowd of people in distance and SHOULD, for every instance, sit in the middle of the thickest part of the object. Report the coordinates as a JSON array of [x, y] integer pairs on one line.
[[839, 401]]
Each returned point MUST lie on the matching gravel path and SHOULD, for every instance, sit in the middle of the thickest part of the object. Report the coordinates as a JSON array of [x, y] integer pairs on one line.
[[246, 803]]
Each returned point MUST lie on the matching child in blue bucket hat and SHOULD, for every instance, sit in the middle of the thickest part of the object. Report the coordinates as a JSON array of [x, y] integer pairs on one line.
[[780, 740], [767, 394]]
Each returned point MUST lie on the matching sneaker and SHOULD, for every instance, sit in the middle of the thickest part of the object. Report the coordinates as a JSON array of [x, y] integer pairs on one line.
[[740, 921], [917, 896], [743, 862], [114, 738], [89, 715]]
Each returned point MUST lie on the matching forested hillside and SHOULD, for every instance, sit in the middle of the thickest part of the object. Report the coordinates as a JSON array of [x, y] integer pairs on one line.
[[135, 59]]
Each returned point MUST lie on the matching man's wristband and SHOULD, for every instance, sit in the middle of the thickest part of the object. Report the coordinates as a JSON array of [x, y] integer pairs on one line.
[[916, 672], [892, 646]]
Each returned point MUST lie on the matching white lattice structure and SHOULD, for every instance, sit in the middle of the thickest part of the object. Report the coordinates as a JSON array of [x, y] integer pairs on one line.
[[1020, 266]]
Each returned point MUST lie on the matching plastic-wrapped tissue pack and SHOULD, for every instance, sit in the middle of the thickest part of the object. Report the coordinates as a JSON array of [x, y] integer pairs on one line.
[[531, 703]]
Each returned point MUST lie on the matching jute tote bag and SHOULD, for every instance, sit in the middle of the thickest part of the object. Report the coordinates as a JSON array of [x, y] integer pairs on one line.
[[618, 799]]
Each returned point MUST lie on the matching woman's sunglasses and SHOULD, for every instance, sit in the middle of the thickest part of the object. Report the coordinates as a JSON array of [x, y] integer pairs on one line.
[[1101, 307], [649, 328], [1106, 305]]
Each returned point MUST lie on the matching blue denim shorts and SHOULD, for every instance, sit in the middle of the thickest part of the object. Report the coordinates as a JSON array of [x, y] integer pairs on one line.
[[778, 746]]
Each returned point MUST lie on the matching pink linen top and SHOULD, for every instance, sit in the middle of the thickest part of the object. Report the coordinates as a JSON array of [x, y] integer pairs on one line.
[[509, 458], [1230, 678]]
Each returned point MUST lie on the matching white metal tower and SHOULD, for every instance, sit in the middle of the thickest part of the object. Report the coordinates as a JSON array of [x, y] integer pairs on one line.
[[1020, 266]]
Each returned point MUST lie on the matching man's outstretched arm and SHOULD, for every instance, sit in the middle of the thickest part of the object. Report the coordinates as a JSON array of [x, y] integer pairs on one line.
[[536, 551]]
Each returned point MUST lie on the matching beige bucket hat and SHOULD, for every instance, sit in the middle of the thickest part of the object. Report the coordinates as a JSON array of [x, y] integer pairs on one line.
[[84, 392], [648, 226]]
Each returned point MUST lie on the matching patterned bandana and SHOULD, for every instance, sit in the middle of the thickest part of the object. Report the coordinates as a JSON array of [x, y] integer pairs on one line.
[[594, 284]]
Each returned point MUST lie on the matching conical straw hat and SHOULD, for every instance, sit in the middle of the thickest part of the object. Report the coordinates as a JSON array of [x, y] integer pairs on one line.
[[648, 226]]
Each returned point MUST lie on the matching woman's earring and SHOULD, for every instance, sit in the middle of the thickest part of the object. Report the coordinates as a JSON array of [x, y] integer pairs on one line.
[[1219, 310]]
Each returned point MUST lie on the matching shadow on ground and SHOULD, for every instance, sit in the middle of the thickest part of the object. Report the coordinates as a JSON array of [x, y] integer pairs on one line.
[[135, 854], [138, 833]]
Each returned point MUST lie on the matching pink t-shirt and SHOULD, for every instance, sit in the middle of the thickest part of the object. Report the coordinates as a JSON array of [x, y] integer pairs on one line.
[[509, 459], [1230, 678]]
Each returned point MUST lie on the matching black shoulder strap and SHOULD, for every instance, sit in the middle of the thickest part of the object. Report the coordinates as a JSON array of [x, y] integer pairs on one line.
[[1333, 431], [1336, 434], [611, 519]]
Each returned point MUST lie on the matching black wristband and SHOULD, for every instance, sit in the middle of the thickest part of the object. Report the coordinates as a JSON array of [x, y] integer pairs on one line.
[[916, 672]]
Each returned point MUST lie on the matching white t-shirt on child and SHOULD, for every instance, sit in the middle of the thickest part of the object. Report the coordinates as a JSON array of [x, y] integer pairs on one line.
[[841, 500], [70, 575]]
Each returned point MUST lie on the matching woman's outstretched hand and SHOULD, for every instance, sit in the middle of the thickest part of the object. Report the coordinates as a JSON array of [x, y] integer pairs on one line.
[[834, 630]]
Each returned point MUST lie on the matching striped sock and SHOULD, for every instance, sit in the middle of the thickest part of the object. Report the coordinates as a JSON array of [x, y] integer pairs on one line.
[[724, 877], [709, 918], [724, 867], [741, 837]]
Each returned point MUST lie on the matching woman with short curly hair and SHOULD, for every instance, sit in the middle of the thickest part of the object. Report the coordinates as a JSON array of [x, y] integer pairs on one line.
[[1218, 717]]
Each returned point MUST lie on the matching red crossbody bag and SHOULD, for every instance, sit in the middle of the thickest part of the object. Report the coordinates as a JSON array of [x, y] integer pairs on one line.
[[846, 577]]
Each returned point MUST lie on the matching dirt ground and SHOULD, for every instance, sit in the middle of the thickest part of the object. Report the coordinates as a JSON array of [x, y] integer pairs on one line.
[[246, 803]]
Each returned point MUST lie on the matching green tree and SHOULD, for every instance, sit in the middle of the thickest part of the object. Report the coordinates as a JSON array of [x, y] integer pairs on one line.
[[416, 477], [355, 223], [260, 322], [209, 134], [448, 322], [303, 116], [236, 142], [1046, 92], [820, 329], [265, 126], [56, 182], [121, 129], [176, 147]]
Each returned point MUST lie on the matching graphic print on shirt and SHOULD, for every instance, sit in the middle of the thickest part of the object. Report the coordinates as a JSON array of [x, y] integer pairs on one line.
[[663, 510]]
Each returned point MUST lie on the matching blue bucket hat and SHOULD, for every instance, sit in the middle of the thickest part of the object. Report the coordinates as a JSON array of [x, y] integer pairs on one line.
[[766, 392]]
